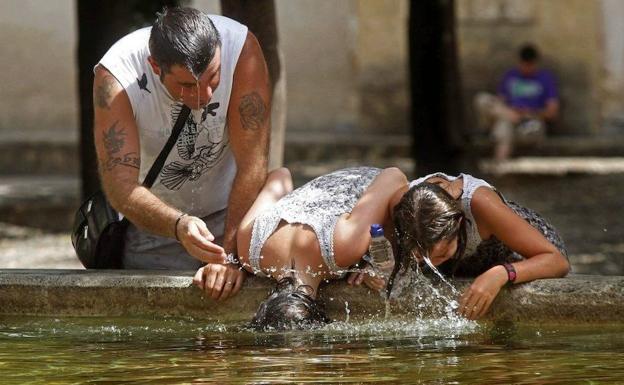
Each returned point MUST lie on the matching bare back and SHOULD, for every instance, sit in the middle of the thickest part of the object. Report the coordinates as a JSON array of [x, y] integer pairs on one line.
[[300, 226], [293, 246]]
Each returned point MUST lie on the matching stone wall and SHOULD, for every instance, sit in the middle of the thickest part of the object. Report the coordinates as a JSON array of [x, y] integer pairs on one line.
[[318, 40], [345, 66], [38, 96], [346, 61], [113, 293]]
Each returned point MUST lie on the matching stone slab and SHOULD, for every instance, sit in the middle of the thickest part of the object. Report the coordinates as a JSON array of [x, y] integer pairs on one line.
[[32, 200], [38, 156], [555, 166], [580, 298]]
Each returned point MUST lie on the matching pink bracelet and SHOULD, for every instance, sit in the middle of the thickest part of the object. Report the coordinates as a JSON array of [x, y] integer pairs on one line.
[[511, 272]]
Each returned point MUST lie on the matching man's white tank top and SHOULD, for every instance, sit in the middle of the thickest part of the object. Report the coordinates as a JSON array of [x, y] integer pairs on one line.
[[198, 174]]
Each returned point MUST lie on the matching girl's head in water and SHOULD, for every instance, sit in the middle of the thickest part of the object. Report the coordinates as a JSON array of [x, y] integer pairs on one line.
[[289, 306], [429, 223]]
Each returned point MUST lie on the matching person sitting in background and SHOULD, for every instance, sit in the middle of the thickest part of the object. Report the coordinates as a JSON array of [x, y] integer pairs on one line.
[[526, 103]]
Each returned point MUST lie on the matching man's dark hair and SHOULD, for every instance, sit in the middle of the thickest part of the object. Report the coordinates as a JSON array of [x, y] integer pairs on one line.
[[183, 36], [528, 53]]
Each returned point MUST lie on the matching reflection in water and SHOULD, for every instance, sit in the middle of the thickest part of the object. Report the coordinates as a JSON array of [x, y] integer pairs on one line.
[[38, 350]]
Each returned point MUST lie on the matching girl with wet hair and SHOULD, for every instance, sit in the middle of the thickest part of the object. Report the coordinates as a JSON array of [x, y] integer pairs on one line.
[[427, 215], [462, 224], [289, 306], [314, 233]]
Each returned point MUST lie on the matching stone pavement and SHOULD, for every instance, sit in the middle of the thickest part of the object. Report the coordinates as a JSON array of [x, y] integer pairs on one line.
[[554, 166], [46, 202], [28, 248]]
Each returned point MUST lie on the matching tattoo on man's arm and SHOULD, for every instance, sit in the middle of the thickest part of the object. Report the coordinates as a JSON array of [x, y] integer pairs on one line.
[[253, 111], [102, 95], [130, 159], [114, 140]]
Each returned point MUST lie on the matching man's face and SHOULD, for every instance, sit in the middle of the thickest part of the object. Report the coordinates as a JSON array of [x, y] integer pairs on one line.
[[182, 85], [527, 68]]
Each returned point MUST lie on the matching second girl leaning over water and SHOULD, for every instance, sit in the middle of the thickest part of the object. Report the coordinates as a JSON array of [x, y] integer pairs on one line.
[[488, 237]]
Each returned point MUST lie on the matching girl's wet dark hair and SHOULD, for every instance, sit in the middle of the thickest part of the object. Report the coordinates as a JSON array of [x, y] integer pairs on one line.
[[183, 36], [425, 215], [289, 306]]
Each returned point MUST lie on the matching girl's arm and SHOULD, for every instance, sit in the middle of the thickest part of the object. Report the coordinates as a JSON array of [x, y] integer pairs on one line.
[[351, 234], [542, 258], [494, 217]]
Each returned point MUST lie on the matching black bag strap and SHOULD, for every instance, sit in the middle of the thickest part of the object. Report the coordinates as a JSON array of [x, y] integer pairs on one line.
[[158, 164]]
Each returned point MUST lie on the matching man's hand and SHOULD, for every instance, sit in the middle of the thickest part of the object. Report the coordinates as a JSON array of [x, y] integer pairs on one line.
[[368, 277], [219, 282], [476, 300], [194, 235]]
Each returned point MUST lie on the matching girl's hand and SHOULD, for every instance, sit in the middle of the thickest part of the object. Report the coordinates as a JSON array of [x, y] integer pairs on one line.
[[476, 300], [219, 282], [374, 282]]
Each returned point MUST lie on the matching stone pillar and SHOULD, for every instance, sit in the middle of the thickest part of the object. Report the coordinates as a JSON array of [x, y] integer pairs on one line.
[[278, 117], [381, 65], [612, 106]]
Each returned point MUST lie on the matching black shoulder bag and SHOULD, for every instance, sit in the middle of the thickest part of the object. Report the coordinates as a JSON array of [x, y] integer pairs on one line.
[[98, 232]]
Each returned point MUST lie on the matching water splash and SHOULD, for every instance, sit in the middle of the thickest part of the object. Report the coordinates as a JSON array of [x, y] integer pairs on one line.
[[347, 312], [387, 305], [417, 307], [403, 327], [433, 268], [415, 294], [452, 304]]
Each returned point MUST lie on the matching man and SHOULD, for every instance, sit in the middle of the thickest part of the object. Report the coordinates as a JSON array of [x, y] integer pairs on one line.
[[527, 102], [219, 163]]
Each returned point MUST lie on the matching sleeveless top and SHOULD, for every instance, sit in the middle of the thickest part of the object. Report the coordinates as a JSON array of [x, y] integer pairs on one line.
[[319, 203], [470, 185], [198, 174]]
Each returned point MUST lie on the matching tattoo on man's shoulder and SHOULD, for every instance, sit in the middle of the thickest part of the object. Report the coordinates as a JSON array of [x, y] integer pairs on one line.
[[253, 111], [114, 139], [103, 93]]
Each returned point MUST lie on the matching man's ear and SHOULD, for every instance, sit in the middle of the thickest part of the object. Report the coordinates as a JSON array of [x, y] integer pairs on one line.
[[155, 66]]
